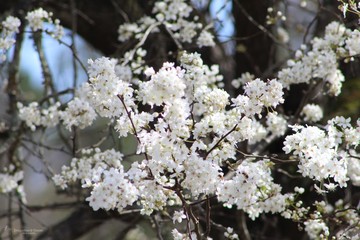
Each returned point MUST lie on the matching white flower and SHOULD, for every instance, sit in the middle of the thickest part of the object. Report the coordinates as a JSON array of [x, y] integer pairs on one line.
[[78, 113], [317, 152], [59, 181], [173, 15], [229, 234], [202, 176], [37, 17], [58, 33], [206, 39], [9, 182], [259, 94], [299, 190], [312, 112], [105, 92], [11, 25], [252, 189], [30, 114], [283, 35], [242, 80], [127, 30], [177, 235], [104, 173], [335, 79], [276, 123], [316, 227], [353, 165], [50, 117], [164, 87], [352, 43], [178, 216], [149, 72], [212, 100], [114, 191]]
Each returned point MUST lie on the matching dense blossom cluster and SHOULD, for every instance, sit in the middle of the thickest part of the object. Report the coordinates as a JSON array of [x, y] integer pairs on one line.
[[189, 130], [258, 95], [103, 172], [321, 62], [253, 190], [318, 153], [186, 104], [171, 160]]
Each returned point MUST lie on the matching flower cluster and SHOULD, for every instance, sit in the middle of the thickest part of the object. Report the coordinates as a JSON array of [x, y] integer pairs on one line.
[[104, 173], [173, 15], [259, 94], [252, 189], [187, 138], [165, 86], [321, 61], [9, 182], [77, 113], [354, 170], [316, 228], [38, 17], [169, 161], [341, 130], [242, 80], [9, 27], [277, 124], [190, 133], [312, 113], [318, 156], [229, 234]]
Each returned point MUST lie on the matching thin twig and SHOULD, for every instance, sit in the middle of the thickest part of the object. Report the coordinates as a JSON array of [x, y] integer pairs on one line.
[[73, 42], [265, 157], [10, 213], [189, 215], [178, 44], [22, 218], [131, 121], [287, 174], [140, 43], [244, 231], [75, 55], [258, 25], [208, 216], [55, 94], [36, 143], [65, 205], [218, 142], [158, 228], [120, 11]]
